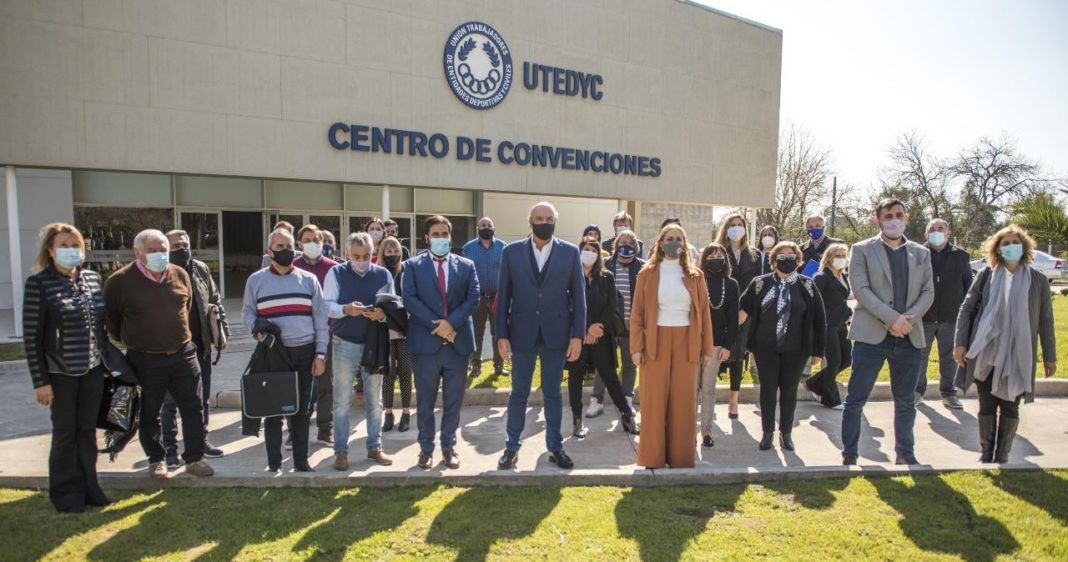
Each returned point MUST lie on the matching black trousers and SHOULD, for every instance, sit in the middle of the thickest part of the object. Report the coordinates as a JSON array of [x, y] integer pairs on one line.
[[302, 358], [168, 416], [779, 374], [734, 370], [72, 482], [990, 404], [400, 371], [600, 356], [324, 393], [179, 374], [483, 313], [837, 356]]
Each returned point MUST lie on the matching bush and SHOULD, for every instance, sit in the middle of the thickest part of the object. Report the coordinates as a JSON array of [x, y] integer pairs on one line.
[[1064, 291]]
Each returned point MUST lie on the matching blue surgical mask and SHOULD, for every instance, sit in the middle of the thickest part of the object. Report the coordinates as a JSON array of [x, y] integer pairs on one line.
[[158, 261], [936, 238], [69, 257], [440, 246], [815, 233], [1011, 253]]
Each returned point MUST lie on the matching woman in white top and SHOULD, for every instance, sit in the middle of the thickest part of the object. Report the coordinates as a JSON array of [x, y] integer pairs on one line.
[[670, 337]]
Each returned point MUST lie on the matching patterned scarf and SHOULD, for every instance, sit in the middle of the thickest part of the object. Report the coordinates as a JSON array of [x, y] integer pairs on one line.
[[780, 292]]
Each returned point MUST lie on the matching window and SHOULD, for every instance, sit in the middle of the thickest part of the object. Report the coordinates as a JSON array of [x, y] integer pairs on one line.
[[109, 232]]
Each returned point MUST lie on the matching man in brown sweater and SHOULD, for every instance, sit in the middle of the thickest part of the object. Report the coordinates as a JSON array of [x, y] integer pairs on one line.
[[148, 304]]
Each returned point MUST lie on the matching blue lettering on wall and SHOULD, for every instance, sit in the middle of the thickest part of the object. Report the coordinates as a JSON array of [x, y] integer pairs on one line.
[[562, 81]]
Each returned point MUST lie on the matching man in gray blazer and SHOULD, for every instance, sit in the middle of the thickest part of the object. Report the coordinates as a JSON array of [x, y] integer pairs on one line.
[[894, 286]]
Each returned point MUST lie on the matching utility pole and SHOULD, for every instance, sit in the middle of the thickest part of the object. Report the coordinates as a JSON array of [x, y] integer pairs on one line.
[[834, 202]]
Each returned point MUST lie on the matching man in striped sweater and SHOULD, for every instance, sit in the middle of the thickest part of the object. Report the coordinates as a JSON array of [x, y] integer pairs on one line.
[[291, 299]]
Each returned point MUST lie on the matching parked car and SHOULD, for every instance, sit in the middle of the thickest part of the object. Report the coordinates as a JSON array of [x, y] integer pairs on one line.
[[1052, 267]]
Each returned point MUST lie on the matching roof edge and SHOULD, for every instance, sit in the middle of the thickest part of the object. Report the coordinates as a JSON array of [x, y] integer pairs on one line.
[[731, 16]]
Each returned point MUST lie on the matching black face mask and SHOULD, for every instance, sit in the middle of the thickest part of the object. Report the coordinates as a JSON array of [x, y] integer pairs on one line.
[[485, 233], [391, 261], [786, 265], [715, 266], [181, 257], [283, 258], [543, 231]]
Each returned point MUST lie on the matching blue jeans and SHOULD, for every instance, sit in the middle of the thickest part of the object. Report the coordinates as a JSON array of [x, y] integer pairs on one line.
[[346, 363], [446, 369], [947, 368], [868, 359], [552, 375]]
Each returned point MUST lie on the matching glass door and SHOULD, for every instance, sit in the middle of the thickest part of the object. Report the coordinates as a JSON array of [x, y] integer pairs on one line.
[[205, 242], [243, 244]]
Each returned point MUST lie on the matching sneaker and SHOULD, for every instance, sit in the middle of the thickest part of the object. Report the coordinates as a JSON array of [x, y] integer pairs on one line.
[[379, 456], [838, 407], [157, 471], [211, 451], [341, 461], [952, 402], [200, 469], [594, 409], [173, 461], [289, 442], [325, 436]]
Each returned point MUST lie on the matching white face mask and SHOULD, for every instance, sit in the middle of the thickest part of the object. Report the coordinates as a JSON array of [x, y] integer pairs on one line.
[[936, 238], [313, 250], [588, 258], [360, 266], [839, 263], [768, 242], [376, 235], [736, 233], [893, 228]]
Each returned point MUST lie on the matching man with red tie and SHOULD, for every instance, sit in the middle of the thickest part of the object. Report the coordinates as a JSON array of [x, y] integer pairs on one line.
[[440, 292]]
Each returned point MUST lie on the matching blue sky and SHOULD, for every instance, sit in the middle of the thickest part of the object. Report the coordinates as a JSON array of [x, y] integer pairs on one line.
[[858, 73]]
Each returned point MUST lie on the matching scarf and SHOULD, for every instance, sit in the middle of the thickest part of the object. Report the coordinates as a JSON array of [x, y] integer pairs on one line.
[[780, 292], [1002, 344]]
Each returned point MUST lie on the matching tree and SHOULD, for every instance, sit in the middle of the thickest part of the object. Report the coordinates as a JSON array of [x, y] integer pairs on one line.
[[1043, 216], [996, 174], [913, 173], [801, 184]]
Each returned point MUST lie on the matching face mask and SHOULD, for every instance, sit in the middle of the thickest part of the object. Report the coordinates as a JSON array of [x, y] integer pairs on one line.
[[786, 265], [893, 228], [673, 249], [328, 250], [283, 258], [768, 242], [735, 233], [180, 257], [485, 233], [1011, 253], [68, 257], [543, 231], [815, 233], [625, 251], [313, 250], [936, 238], [715, 266], [839, 263], [360, 266], [588, 258], [440, 246], [391, 261], [157, 261], [376, 235], [620, 229]]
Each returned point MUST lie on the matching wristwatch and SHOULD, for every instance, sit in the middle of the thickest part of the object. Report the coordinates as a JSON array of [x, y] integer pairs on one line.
[[320, 356]]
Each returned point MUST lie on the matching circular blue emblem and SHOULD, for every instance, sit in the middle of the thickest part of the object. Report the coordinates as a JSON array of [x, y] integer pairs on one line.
[[478, 65]]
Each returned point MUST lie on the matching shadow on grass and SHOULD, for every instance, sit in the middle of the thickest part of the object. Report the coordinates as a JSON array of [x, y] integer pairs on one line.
[[663, 521], [938, 518], [1033, 487], [477, 518]]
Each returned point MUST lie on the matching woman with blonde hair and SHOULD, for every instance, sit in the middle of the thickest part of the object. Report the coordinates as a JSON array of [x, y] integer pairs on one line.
[[63, 319], [670, 337], [833, 286], [390, 254], [745, 265], [1007, 313]]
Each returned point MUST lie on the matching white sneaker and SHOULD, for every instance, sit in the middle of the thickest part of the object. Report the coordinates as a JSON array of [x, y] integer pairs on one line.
[[838, 407], [595, 408]]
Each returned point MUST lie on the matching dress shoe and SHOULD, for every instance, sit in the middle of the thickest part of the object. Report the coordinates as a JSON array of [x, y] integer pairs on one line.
[[274, 469], [765, 442], [405, 422], [172, 459], [909, 460], [325, 436], [387, 425], [157, 471], [849, 460], [426, 460], [508, 460], [211, 451], [200, 468], [786, 441], [501, 372], [952, 402], [560, 459], [732, 415], [341, 461], [476, 370], [707, 441], [303, 467], [578, 430], [452, 460], [379, 456], [627, 422]]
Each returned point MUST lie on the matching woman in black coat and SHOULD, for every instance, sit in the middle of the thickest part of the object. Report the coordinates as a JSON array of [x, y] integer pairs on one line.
[[833, 285], [745, 264], [723, 305], [787, 328], [63, 318], [603, 321]]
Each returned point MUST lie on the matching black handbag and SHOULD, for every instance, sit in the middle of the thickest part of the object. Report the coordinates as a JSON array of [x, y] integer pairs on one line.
[[119, 415], [267, 393]]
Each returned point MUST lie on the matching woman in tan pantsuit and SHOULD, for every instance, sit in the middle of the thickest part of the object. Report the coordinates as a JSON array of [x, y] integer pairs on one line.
[[670, 337]]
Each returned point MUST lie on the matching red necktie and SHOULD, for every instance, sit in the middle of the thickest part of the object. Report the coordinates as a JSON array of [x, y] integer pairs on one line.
[[441, 285]]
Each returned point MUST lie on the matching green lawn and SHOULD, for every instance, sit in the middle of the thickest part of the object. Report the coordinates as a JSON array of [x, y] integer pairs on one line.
[[12, 351], [969, 515]]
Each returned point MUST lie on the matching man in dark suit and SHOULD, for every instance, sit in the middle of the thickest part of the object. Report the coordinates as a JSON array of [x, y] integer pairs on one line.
[[440, 292], [812, 250], [541, 313]]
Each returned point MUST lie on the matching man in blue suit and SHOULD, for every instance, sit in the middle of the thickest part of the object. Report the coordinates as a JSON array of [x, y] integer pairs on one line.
[[440, 292], [541, 313]]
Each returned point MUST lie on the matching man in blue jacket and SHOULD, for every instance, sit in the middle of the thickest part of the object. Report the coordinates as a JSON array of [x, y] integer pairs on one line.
[[541, 313], [440, 293]]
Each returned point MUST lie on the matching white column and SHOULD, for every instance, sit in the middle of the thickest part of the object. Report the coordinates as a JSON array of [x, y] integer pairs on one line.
[[385, 202], [15, 247]]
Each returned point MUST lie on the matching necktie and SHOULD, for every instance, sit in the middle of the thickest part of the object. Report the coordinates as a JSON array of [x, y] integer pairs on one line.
[[441, 286]]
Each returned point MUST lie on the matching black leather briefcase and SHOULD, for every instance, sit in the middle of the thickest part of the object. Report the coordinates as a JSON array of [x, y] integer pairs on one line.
[[269, 393]]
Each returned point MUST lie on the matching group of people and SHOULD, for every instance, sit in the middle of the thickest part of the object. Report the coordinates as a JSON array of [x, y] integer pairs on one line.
[[683, 315]]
